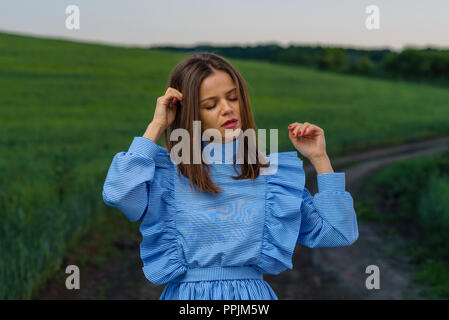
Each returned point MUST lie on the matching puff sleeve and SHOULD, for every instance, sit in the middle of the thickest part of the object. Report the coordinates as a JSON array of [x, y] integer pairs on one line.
[[127, 182], [293, 216], [328, 219]]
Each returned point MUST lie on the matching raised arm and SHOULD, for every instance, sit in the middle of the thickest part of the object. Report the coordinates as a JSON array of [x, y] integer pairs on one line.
[[130, 174]]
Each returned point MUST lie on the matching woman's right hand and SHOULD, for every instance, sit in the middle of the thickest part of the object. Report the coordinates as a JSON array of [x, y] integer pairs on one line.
[[166, 107]]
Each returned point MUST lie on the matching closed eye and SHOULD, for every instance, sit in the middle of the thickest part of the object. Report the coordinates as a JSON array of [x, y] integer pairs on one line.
[[211, 107]]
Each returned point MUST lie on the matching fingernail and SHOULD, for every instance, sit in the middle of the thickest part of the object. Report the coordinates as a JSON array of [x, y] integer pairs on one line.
[[293, 134], [299, 133], [289, 126]]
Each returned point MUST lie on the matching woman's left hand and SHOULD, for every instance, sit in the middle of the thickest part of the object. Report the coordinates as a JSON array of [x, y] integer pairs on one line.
[[312, 144]]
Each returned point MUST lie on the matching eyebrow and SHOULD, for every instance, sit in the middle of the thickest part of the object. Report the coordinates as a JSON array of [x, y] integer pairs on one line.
[[214, 97]]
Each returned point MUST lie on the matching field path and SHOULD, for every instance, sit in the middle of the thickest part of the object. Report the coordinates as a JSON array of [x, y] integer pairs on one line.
[[319, 273]]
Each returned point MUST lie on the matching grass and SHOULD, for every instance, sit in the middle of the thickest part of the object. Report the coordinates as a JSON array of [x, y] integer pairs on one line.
[[96, 246], [411, 197], [435, 274], [67, 108]]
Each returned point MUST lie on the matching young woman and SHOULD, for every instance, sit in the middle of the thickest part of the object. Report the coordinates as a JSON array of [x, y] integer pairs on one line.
[[206, 233]]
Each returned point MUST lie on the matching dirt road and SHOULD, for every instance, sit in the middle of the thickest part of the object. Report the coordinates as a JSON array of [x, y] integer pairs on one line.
[[319, 273]]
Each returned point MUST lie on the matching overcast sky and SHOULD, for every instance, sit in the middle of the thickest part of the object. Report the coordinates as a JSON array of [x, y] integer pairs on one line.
[[174, 22]]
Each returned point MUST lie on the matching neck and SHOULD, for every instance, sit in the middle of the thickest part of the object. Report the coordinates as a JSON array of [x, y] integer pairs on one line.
[[217, 152]]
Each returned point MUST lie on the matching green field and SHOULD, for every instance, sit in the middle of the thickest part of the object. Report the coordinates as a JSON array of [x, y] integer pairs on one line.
[[66, 108]]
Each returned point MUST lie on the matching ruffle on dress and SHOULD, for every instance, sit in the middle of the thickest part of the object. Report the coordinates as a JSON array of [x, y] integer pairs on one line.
[[160, 252], [284, 192]]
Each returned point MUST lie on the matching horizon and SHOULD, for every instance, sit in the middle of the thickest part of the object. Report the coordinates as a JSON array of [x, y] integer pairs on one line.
[[190, 46]]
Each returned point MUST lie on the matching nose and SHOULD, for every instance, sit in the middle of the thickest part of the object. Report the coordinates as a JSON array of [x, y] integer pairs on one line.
[[227, 108]]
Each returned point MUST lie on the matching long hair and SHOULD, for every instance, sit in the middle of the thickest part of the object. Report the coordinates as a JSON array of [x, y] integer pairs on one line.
[[187, 77]]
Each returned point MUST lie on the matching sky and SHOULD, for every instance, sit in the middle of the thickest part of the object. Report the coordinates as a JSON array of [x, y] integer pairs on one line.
[[418, 23]]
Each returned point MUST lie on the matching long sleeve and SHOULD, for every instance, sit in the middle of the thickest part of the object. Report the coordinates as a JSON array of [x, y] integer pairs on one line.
[[328, 219], [127, 182]]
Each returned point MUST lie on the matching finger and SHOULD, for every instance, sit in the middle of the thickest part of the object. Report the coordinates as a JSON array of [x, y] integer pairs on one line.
[[298, 130], [293, 133], [175, 102], [169, 99], [313, 129], [175, 95], [307, 129], [173, 92], [170, 93], [292, 127]]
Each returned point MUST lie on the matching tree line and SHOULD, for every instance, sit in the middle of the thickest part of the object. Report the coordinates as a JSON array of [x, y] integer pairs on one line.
[[423, 65]]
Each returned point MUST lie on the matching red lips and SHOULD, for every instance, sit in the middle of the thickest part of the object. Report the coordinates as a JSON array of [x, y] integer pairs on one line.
[[230, 120]]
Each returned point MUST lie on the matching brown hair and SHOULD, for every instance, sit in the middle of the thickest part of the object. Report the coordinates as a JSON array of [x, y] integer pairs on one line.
[[187, 77]]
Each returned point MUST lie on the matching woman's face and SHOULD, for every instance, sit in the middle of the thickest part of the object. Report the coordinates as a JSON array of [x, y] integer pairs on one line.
[[219, 103]]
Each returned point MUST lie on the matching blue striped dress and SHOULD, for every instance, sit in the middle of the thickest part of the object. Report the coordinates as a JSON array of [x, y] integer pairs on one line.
[[206, 246]]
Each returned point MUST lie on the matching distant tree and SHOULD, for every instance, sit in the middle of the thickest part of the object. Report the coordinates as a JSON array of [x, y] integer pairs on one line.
[[414, 64], [332, 58], [419, 64], [295, 55], [365, 66]]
